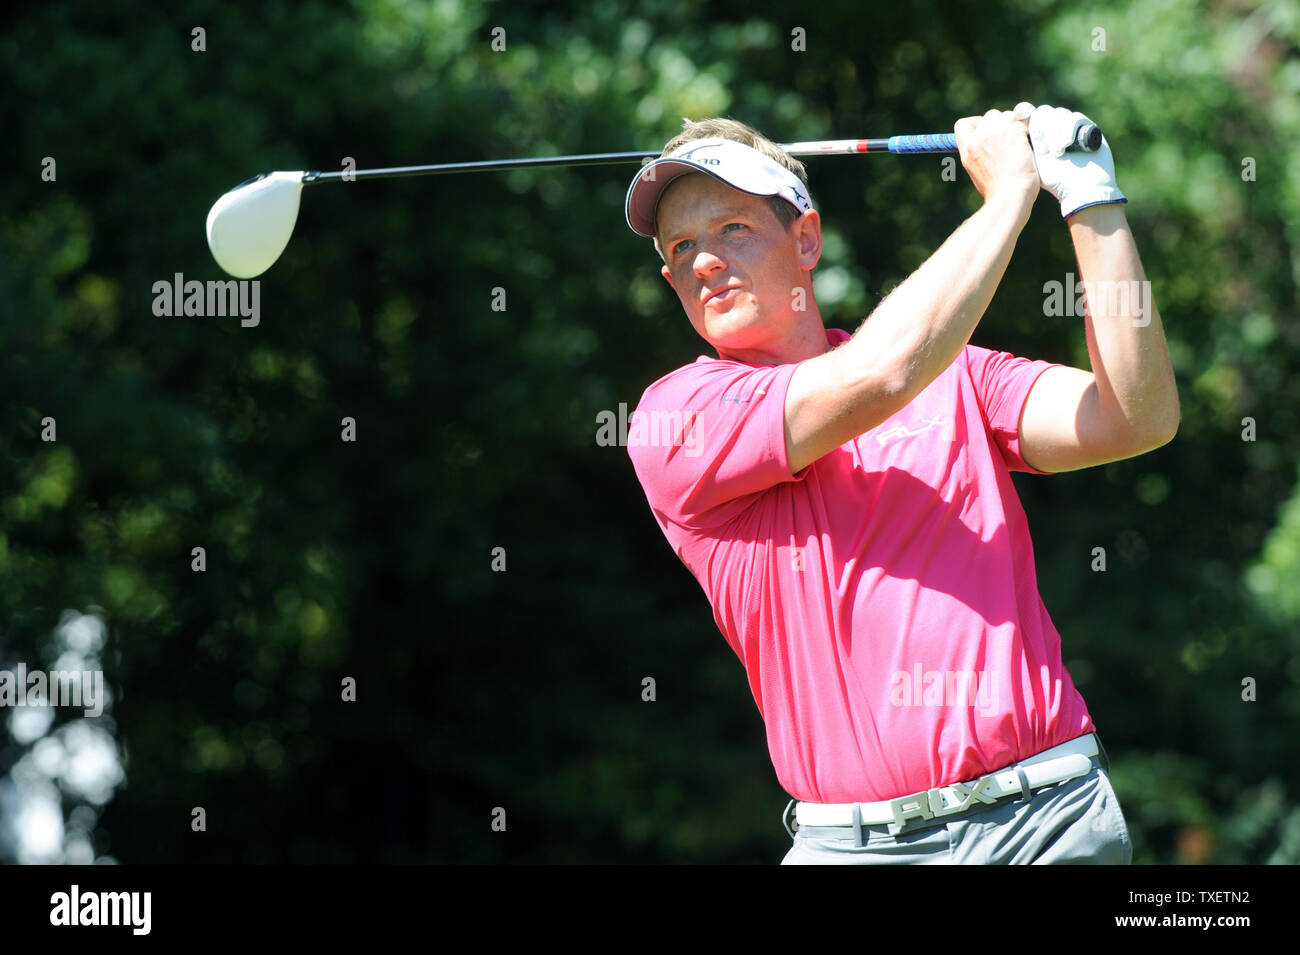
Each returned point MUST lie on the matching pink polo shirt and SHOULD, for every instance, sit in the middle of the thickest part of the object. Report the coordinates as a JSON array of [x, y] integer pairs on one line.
[[884, 601]]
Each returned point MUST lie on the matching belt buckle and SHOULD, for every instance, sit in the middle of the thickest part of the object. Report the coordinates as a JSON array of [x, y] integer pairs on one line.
[[788, 818], [931, 805]]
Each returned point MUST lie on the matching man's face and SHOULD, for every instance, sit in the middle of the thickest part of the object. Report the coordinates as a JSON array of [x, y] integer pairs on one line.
[[732, 263]]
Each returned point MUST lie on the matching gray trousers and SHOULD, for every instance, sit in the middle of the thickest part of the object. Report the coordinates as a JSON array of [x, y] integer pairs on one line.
[[1077, 822]]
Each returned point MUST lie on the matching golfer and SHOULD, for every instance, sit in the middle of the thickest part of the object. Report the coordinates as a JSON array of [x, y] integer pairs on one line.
[[845, 500]]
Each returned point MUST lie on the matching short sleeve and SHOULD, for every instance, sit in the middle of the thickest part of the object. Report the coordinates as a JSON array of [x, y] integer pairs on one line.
[[707, 437], [1002, 382]]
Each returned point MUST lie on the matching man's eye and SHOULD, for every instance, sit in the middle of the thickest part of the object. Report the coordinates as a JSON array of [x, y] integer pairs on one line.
[[685, 244]]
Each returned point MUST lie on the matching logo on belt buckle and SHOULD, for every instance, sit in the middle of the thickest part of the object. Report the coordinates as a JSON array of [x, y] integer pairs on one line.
[[930, 804]]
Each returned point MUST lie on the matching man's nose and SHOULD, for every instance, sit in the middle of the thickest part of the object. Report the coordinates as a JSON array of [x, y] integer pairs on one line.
[[707, 262]]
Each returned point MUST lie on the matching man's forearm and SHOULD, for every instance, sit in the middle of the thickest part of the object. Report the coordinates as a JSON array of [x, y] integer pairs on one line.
[[920, 329], [1126, 342]]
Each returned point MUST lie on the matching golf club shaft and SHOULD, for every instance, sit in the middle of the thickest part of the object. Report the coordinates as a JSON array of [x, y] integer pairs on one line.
[[938, 143], [898, 145]]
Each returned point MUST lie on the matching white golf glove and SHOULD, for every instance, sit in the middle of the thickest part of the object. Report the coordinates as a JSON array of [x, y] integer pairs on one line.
[[1077, 179]]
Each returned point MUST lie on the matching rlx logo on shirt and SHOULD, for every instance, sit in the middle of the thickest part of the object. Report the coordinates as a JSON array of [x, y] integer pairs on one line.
[[901, 431]]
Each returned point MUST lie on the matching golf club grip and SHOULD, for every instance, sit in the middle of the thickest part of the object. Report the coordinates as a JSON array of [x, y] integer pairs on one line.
[[923, 143], [1086, 139]]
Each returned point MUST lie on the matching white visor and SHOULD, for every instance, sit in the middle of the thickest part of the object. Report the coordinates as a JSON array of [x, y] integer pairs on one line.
[[728, 161]]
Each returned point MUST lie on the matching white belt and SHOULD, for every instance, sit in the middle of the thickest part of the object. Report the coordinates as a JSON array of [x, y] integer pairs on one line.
[[1053, 765]]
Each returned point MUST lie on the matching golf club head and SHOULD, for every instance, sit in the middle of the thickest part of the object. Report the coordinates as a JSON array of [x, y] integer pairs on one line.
[[250, 225]]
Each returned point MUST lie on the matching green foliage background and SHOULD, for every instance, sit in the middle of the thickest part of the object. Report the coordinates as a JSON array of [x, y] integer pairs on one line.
[[476, 427]]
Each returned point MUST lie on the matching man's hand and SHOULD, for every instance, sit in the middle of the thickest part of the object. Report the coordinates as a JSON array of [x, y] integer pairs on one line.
[[1077, 179], [995, 151]]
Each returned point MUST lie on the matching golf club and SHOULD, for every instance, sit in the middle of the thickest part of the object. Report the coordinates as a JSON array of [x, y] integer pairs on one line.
[[249, 227]]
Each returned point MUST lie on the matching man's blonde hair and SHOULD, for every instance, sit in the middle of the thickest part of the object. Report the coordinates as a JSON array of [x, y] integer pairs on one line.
[[721, 128]]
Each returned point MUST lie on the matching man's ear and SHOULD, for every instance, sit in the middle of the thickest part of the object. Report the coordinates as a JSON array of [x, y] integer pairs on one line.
[[807, 231]]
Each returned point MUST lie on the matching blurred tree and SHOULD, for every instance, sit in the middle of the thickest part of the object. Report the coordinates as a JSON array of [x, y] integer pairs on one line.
[[373, 560]]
